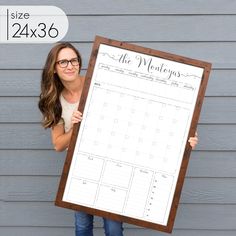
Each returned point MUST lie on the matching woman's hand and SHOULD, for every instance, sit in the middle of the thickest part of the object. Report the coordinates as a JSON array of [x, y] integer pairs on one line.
[[193, 141], [76, 117]]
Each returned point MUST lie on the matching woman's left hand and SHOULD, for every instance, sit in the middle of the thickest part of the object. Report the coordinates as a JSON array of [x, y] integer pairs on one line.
[[193, 141]]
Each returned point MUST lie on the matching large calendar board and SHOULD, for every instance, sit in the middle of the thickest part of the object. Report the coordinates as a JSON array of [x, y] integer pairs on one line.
[[128, 158]]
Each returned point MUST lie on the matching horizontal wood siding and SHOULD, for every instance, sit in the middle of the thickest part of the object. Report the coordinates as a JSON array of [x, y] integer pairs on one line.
[[221, 54], [29, 167]]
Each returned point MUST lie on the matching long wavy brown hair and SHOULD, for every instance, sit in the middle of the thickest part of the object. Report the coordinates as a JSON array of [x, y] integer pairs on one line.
[[51, 87]]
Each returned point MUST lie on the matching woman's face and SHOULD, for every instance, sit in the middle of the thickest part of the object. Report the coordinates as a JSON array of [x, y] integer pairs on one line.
[[67, 66]]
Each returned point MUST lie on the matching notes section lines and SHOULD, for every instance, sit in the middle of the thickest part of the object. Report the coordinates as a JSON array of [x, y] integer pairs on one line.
[[122, 188], [159, 198]]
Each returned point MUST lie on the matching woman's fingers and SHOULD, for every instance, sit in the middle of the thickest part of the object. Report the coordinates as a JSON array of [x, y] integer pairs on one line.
[[76, 117], [193, 141], [77, 113]]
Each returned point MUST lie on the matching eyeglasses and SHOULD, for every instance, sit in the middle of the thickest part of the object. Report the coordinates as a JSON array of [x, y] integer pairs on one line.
[[64, 63]]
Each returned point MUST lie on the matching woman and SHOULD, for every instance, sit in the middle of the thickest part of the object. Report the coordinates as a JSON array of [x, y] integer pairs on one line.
[[61, 89]]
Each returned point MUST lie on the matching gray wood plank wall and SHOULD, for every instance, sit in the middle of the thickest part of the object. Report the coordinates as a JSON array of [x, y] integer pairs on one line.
[[29, 167]]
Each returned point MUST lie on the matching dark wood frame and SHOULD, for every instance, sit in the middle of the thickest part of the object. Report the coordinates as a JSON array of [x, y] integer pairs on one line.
[[205, 65]]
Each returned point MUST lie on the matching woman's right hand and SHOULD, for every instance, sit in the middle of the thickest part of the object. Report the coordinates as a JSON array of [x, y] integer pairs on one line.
[[76, 117]]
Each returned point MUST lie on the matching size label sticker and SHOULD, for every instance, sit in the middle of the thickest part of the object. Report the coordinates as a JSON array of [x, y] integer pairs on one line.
[[32, 24]]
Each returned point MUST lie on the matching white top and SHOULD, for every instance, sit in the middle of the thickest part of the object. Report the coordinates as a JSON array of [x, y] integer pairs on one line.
[[67, 111]]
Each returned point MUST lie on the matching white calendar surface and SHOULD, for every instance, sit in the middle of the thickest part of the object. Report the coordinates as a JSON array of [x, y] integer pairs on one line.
[[132, 138]]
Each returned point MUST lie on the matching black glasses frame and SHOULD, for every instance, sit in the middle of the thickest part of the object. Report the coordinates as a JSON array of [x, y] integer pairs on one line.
[[71, 61]]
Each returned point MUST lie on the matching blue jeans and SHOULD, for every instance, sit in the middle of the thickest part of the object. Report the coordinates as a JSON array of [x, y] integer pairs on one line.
[[84, 225]]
